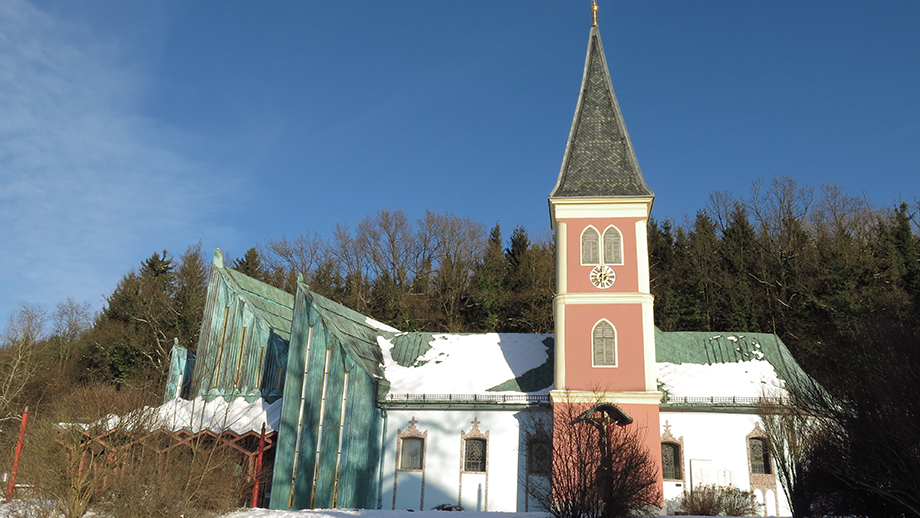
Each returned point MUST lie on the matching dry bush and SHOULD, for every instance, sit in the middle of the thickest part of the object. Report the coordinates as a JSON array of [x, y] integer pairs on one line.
[[188, 480], [720, 500], [118, 464], [701, 501]]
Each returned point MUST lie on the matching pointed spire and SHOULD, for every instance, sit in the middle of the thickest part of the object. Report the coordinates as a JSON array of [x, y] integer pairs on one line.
[[599, 159]]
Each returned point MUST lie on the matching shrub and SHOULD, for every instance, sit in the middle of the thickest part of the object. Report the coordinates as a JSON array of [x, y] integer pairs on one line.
[[720, 500]]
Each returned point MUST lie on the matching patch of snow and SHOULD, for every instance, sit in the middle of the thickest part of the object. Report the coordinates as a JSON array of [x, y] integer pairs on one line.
[[466, 364], [379, 325], [741, 379], [238, 416], [364, 513], [18, 508]]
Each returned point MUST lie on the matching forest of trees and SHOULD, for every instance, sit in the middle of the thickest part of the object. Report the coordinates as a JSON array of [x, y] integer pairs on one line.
[[815, 266], [821, 268]]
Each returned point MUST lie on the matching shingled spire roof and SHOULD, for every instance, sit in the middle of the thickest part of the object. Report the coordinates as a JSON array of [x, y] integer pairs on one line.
[[599, 159]]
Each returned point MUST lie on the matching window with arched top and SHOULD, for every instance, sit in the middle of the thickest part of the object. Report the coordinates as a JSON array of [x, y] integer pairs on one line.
[[590, 246], [613, 246], [604, 344]]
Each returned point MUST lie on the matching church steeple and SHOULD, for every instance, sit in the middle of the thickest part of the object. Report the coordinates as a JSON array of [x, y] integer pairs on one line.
[[603, 309], [599, 160]]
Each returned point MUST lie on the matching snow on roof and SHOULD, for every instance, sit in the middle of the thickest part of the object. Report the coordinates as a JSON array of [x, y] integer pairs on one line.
[[218, 415], [752, 379], [380, 325], [465, 363]]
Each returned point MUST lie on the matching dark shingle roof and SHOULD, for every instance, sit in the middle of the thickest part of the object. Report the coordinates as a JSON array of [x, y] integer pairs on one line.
[[599, 159]]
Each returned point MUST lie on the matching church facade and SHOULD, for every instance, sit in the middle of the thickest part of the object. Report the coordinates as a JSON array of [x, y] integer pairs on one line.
[[372, 417]]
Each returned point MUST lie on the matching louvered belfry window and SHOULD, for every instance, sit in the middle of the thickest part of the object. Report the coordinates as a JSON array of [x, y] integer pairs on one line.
[[605, 344], [613, 246], [590, 246], [474, 455], [760, 456]]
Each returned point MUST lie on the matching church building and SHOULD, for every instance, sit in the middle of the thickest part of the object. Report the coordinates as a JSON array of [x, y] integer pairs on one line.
[[373, 417]]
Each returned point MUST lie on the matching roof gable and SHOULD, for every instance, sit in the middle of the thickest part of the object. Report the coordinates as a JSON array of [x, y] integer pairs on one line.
[[354, 331]]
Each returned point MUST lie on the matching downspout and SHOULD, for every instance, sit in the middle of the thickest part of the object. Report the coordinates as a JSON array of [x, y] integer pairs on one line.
[[383, 443]]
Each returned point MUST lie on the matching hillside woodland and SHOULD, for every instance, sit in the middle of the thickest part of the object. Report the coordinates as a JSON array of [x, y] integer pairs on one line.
[[836, 277]]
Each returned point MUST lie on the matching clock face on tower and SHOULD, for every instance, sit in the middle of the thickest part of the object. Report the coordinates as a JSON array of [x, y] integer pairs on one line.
[[603, 277]]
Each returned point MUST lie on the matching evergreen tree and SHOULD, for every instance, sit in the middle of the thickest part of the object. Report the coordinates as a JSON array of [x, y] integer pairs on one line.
[[250, 265], [490, 278]]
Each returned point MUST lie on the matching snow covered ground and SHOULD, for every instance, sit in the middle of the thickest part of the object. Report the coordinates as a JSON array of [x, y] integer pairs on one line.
[[15, 510]]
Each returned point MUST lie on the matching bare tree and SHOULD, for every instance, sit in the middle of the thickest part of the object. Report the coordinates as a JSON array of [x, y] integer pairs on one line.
[[791, 436], [20, 350], [865, 428], [70, 320], [601, 467], [285, 259]]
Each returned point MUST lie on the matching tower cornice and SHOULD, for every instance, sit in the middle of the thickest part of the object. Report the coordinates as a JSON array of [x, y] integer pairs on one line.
[[592, 207]]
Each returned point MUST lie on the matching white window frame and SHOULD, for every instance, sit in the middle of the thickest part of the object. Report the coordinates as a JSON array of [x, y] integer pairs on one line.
[[594, 344], [613, 233], [597, 251]]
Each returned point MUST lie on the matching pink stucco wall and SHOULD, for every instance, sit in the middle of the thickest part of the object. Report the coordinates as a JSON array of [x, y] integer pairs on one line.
[[579, 276], [629, 374]]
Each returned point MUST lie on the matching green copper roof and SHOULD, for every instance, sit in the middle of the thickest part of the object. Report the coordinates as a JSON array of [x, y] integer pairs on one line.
[[358, 338], [707, 348], [272, 305], [599, 159]]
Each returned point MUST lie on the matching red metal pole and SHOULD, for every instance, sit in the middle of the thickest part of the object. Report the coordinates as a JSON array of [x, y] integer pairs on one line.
[[255, 490], [22, 433]]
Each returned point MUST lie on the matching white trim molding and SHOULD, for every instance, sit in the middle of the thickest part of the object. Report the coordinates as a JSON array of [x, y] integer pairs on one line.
[[619, 207], [592, 397]]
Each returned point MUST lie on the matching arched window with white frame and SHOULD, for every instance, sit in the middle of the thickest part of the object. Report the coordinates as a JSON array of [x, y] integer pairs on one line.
[[613, 246], [590, 246], [604, 344]]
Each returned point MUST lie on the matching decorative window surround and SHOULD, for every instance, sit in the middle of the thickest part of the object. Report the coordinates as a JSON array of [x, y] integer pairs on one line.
[[763, 482], [474, 435], [412, 434], [677, 445]]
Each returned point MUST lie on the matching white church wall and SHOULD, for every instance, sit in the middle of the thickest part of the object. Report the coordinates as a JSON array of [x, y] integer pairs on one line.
[[444, 480], [715, 451]]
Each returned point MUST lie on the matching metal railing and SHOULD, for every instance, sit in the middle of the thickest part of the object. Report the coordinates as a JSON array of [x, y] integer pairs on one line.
[[449, 399], [726, 400]]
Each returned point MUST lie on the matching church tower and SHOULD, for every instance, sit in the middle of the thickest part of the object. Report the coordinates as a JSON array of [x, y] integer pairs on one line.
[[605, 334]]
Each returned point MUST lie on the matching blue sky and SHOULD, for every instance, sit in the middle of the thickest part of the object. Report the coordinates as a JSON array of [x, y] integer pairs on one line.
[[132, 127]]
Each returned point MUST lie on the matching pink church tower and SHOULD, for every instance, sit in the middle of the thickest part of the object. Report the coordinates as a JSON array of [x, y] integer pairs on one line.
[[605, 334]]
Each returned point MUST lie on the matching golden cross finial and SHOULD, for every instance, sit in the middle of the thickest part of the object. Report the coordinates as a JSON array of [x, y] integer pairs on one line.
[[594, 12]]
